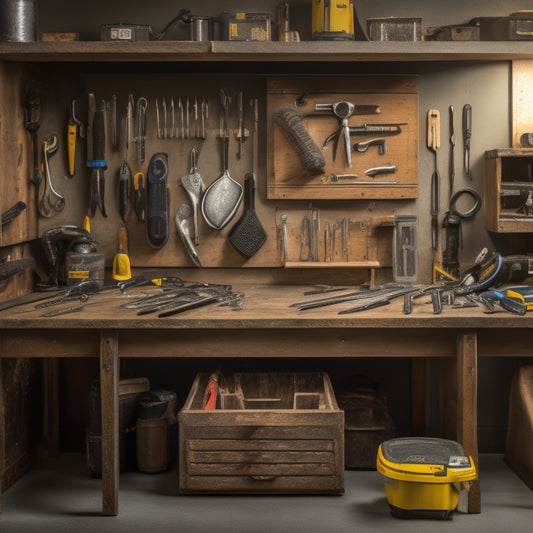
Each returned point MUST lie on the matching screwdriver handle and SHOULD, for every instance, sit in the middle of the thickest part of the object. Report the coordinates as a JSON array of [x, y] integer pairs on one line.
[[433, 129], [99, 138], [290, 121], [72, 130]]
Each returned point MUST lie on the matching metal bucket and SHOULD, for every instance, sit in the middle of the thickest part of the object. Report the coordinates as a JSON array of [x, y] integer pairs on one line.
[[18, 20]]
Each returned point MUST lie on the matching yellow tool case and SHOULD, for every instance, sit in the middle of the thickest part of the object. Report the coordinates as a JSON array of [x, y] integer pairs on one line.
[[424, 475]]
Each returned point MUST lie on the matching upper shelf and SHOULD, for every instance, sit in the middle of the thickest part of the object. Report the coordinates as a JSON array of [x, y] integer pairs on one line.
[[308, 51]]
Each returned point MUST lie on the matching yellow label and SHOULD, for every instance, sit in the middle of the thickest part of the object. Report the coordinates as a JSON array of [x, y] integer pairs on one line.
[[240, 16], [234, 32], [79, 274]]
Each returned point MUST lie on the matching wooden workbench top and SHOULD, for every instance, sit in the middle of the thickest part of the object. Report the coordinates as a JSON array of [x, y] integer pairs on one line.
[[265, 306]]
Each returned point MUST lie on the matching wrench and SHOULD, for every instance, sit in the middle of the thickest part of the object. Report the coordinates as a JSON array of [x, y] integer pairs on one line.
[[51, 202]]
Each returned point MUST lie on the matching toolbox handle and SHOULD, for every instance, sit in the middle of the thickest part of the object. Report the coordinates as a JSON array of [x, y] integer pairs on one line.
[[264, 478]]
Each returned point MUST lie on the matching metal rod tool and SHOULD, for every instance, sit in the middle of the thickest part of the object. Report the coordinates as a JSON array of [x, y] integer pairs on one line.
[[467, 137], [433, 143], [451, 168]]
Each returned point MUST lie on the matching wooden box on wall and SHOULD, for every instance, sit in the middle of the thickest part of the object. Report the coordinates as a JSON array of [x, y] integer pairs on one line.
[[271, 433], [509, 190], [396, 98]]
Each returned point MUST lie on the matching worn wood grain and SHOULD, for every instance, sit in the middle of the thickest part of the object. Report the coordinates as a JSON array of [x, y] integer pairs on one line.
[[271, 445], [521, 99], [189, 51], [16, 156], [467, 407], [2, 435], [109, 380]]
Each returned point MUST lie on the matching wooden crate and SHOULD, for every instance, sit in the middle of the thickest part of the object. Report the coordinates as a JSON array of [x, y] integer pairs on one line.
[[508, 175], [271, 433]]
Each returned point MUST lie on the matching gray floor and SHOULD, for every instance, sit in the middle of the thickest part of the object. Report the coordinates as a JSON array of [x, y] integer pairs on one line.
[[58, 496]]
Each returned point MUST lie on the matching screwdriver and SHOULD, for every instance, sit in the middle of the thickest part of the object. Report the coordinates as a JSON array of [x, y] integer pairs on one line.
[[433, 143], [72, 134]]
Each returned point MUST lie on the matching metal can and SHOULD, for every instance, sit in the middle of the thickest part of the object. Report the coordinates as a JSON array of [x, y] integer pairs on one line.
[[18, 20], [201, 28]]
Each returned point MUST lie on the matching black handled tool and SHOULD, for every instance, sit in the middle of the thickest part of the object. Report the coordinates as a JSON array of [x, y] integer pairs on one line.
[[124, 188], [451, 166], [12, 213], [139, 196], [467, 137], [32, 112], [157, 200], [97, 159], [11, 268]]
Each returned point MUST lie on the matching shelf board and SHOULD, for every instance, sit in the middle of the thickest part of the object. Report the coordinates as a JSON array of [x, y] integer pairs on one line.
[[308, 51]]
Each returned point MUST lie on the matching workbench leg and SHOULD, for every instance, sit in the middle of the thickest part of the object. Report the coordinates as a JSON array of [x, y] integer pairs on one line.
[[51, 405], [467, 407], [2, 434], [109, 378]]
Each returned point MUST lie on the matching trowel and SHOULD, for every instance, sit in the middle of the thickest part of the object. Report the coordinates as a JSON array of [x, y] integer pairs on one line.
[[222, 197]]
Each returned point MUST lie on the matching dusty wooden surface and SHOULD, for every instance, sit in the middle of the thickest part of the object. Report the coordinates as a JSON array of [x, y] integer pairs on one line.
[[186, 51], [265, 306]]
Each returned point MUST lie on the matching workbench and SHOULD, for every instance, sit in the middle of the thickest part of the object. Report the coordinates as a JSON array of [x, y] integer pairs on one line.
[[267, 327]]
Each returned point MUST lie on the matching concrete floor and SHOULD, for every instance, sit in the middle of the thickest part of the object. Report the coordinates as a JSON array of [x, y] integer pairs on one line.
[[58, 496]]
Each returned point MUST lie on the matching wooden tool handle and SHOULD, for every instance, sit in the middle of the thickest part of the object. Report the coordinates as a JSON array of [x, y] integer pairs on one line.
[[433, 129], [290, 121]]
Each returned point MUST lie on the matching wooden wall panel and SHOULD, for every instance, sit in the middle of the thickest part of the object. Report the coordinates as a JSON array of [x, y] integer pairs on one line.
[[16, 156]]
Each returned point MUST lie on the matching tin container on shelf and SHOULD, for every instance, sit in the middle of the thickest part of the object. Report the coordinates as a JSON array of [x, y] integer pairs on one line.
[[240, 26], [125, 32], [394, 29], [515, 27], [18, 21]]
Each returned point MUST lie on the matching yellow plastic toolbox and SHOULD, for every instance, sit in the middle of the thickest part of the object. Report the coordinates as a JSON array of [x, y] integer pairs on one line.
[[424, 475]]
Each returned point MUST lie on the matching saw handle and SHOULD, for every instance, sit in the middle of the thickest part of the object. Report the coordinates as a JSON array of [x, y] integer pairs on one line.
[[290, 121]]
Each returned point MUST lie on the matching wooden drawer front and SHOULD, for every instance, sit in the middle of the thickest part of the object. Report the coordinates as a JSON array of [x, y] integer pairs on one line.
[[271, 457]]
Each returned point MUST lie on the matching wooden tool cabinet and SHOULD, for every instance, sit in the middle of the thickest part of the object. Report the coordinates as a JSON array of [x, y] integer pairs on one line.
[[267, 327]]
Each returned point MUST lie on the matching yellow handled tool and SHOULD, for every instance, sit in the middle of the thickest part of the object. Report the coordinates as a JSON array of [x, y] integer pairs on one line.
[[139, 195], [121, 261], [522, 294], [72, 134]]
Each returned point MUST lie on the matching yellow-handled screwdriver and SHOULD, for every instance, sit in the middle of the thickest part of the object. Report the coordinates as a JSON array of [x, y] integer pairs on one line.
[[121, 261], [72, 135]]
